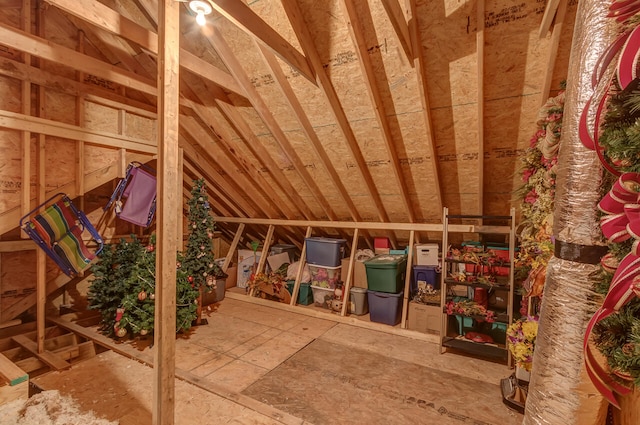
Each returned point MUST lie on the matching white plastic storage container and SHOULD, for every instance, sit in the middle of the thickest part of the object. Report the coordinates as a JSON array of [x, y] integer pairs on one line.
[[427, 254]]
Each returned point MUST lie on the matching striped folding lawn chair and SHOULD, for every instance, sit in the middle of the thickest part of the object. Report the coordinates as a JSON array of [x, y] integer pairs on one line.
[[59, 230]]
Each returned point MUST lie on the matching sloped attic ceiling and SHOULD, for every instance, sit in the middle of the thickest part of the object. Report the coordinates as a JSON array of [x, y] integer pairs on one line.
[[349, 110]]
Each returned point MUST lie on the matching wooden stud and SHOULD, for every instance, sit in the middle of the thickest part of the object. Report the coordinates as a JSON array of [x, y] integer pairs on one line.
[[25, 194], [247, 20], [553, 52], [347, 281], [480, 99], [421, 75], [407, 281], [301, 264], [41, 270], [399, 22], [366, 67], [265, 250], [169, 185]]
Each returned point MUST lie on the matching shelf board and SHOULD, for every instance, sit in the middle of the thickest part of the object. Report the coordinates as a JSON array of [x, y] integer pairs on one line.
[[453, 282], [486, 350], [499, 264]]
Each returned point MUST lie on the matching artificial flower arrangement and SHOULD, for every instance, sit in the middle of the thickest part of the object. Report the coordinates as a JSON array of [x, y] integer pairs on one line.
[[470, 308], [521, 340]]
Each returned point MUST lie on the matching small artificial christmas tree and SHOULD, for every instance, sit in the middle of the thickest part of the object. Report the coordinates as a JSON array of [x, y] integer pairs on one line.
[[112, 279], [138, 305], [199, 265]]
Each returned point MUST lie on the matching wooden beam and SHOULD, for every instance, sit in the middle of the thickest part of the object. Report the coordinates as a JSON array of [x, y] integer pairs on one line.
[[248, 21], [232, 62], [549, 14], [109, 20], [421, 75], [399, 22], [10, 372], [41, 190], [407, 281], [49, 358], [45, 49], [233, 247], [364, 59], [301, 264], [47, 127], [347, 279], [418, 227], [553, 52], [169, 185], [13, 246], [306, 40], [480, 100], [57, 83], [25, 107]]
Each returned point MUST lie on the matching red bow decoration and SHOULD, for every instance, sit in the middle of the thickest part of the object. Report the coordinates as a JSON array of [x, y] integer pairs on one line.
[[622, 204]]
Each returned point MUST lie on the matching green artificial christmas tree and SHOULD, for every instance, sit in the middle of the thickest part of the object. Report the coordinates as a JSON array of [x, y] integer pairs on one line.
[[112, 280], [138, 305], [199, 265]]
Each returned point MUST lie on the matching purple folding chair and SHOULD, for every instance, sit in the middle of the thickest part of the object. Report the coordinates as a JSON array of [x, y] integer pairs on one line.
[[135, 195]]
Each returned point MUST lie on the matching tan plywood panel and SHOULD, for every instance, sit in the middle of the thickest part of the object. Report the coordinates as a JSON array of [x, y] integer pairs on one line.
[[100, 117], [60, 107], [10, 169], [140, 127]]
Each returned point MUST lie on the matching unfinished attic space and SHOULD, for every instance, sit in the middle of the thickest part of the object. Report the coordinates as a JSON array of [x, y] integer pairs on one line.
[[319, 212]]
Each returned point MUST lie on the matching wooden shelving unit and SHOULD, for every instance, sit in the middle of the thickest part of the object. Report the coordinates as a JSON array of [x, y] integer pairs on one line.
[[456, 340]]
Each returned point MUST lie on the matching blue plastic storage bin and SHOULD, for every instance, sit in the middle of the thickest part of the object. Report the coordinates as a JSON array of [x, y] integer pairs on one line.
[[385, 307], [426, 274], [327, 252]]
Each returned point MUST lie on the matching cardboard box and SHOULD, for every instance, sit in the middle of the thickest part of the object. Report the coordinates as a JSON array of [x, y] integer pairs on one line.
[[424, 318], [359, 273]]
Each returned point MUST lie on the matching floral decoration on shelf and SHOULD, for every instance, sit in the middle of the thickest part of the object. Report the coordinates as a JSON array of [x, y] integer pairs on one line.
[[537, 193], [521, 338], [270, 286], [470, 308]]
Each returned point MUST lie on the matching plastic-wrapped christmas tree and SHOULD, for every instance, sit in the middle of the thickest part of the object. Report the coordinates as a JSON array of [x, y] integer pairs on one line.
[[198, 263]]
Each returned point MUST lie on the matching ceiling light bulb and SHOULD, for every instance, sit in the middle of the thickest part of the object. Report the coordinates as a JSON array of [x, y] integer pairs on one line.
[[200, 19], [201, 9]]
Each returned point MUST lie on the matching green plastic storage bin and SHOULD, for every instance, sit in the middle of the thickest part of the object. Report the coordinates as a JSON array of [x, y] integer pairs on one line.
[[385, 273], [305, 296]]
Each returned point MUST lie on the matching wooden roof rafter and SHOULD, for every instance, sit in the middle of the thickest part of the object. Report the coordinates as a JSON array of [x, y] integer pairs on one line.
[[308, 130], [306, 40], [550, 12], [247, 20], [232, 62], [421, 76], [358, 39], [399, 23]]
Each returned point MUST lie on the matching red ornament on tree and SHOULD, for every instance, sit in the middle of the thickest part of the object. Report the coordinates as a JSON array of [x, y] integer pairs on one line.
[[190, 279], [142, 296], [150, 248]]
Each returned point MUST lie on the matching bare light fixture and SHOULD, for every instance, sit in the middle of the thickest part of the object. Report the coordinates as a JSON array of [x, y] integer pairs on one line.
[[201, 9]]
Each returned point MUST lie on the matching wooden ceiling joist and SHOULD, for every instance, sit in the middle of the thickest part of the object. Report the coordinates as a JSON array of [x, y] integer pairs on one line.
[[480, 100], [399, 23], [364, 59], [111, 21], [306, 40], [45, 49], [247, 20]]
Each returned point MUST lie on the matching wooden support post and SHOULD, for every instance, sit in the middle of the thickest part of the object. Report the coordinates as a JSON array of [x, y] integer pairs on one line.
[[347, 281], [303, 255], [480, 68], [407, 281], [25, 203], [41, 264], [169, 191]]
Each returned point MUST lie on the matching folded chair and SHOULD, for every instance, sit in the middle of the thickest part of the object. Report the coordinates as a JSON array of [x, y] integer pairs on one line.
[[58, 230], [135, 195]]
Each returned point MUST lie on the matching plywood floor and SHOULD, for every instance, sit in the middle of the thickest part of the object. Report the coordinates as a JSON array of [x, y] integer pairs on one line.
[[253, 364]]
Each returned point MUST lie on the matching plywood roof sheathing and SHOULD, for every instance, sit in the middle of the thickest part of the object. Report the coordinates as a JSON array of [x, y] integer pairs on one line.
[[247, 20], [399, 22]]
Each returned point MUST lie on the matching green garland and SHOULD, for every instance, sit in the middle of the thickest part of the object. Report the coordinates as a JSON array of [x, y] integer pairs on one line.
[[618, 336]]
